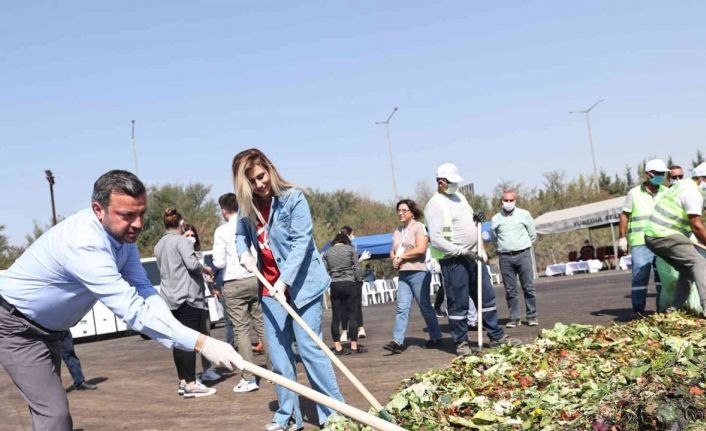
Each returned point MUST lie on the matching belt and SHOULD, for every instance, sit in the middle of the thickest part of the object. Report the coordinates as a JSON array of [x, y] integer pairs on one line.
[[15, 312], [512, 253]]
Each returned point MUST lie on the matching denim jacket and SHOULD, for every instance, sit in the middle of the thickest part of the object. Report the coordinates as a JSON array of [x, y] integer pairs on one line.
[[291, 240]]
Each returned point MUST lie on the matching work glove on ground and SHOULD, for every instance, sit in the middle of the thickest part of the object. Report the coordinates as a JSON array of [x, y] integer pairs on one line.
[[221, 355], [479, 217], [623, 244], [248, 262]]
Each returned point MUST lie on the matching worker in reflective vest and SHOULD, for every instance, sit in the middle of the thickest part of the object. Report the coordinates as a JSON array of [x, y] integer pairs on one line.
[[453, 236], [638, 207], [667, 234]]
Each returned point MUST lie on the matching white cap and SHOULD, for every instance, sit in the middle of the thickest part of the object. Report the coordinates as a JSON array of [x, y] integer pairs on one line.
[[656, 165], [449, 171], [699, 171]]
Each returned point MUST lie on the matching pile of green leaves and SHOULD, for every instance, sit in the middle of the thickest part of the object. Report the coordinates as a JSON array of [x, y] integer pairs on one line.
[[644, 375]]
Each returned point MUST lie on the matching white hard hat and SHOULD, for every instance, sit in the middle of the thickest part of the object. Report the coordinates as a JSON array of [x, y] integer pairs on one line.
[[699, 171], [449, 171], [656, 165]]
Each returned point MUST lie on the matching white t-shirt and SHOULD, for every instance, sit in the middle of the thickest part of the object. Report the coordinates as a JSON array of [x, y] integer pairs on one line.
[[691, 200]]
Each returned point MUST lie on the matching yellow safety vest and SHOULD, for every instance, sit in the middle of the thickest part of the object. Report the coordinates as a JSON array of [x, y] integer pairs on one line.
[[643, 203], [446, 232], [669, 217]]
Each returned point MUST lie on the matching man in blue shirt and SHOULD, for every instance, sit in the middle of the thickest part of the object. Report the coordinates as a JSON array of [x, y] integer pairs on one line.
[[90, 256]]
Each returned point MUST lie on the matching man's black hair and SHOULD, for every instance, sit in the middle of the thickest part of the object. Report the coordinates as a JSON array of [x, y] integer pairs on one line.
[[116, 181], [228, 202]]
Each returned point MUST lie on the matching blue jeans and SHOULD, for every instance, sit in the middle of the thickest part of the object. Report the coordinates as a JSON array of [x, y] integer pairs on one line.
[[512, 266], [643, 260], [281, 331], [414, 284], [68, 354], [460, 281]]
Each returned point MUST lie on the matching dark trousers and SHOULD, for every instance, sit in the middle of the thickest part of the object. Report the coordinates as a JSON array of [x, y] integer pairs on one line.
[[512, 267], [460, 282], [343, 307], [32, 359], [358, 309], [186, 361], [68, 354]]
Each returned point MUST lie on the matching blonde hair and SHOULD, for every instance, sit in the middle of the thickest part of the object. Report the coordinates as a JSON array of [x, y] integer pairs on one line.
[[242, 163]]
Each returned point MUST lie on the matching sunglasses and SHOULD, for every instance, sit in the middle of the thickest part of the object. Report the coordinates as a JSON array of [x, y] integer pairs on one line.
[[508, 200], [676, 177]]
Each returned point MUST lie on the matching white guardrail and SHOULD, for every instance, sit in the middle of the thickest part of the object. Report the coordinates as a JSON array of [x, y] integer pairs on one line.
[[101, 321]]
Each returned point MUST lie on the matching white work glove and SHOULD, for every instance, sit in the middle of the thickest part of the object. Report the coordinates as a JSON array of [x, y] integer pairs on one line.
[[278, 288], [248, 262], [623, 244], [221, 355], [365, 255]]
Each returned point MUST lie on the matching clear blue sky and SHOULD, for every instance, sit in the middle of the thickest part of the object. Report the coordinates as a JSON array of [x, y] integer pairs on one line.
[[485, 84]]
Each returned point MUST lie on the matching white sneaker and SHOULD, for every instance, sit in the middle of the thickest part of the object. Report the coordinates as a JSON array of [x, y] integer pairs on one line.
[[344, 336], [198, 390], [246, 386]]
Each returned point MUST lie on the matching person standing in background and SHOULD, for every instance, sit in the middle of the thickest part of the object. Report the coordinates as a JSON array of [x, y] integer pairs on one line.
[[514, 232], [365, 255], [68, 354], [637, 209], [240, 289], [341, 262], [183, 289]]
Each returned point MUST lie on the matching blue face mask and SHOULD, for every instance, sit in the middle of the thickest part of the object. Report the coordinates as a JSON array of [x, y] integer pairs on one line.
[[657, 180]]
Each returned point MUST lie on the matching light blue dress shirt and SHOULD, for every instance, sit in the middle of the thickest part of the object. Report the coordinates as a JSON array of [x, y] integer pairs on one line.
[[58, 279], [514, 231]]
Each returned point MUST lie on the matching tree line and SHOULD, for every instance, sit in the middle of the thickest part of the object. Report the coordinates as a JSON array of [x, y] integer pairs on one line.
[[332, 210]]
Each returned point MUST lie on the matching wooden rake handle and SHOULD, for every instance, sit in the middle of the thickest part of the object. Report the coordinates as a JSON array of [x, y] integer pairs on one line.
[[346, 372], [341, 407]]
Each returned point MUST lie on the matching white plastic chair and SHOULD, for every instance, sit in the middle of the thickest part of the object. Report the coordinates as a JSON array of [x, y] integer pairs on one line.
[[379, 291], [368, 296], [389, 291]]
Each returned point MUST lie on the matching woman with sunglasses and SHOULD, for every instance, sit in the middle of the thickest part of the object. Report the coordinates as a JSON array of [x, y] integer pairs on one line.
[[409, 246], [274, 218]]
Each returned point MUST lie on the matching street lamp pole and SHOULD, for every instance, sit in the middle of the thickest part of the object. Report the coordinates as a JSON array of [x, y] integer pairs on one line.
[[590, 137], [134, 147], [389, 150], [50, 178]]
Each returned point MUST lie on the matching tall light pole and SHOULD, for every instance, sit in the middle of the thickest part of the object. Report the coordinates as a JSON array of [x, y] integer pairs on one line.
[[134, 147], [50, 178], [389, 149], [590, 137]]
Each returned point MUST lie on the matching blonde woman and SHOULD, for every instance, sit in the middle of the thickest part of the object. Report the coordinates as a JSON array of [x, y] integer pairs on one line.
[[275, 218]]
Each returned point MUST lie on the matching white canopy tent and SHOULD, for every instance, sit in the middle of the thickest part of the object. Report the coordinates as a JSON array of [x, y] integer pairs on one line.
[[589, 216], [596, 214]]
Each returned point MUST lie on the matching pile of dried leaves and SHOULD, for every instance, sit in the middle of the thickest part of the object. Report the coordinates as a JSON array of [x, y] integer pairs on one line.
[[644, 375]]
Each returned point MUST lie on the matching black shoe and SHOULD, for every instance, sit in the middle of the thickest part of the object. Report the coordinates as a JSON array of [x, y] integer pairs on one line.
[[440, 313], [343, 352], [432, 344], [392, 346], [360, 349], [85, 387], [637, 315]]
